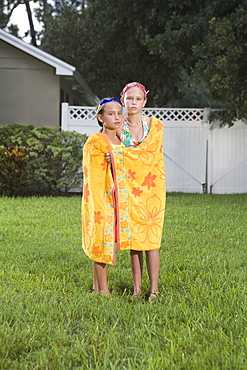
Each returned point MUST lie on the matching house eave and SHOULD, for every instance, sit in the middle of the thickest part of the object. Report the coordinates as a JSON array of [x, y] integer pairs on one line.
[[61, 68]]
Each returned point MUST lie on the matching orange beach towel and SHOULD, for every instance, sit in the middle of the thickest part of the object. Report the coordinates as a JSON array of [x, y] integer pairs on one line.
[[123, 202]]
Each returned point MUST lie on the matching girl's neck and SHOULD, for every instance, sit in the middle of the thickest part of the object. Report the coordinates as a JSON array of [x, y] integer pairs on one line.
[[133, 119], [112, 136]]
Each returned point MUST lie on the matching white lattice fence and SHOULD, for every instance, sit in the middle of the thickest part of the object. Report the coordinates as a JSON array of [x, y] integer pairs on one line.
[[81, 113], [175, 114], [164, 114]]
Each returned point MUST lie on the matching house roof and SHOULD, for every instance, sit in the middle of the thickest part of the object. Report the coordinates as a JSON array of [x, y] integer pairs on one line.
[[61, 68]]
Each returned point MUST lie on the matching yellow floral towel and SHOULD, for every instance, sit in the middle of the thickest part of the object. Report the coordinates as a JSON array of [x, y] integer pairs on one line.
[[125, 202]]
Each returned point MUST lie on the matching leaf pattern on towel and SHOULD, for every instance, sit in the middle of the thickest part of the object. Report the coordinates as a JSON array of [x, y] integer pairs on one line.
[[147, 219]]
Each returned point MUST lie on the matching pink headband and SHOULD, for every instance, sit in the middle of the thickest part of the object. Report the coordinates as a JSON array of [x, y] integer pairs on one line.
[[134, 84]]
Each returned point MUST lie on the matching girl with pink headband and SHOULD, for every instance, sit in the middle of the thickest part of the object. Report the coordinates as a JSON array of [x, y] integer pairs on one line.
[[134, 84], [144, 133]]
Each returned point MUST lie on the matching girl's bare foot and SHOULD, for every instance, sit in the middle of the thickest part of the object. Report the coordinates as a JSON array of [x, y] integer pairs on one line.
[[136, 295], [153, 296], [107, 294]]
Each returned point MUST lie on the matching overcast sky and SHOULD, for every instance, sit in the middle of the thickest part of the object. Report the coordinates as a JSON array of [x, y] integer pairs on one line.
[[20, 18]]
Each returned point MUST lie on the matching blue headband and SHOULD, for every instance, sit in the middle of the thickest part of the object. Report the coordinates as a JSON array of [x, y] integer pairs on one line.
[[108, 100]]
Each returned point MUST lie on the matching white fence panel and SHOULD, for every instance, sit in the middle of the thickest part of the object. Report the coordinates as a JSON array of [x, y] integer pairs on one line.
[[184, 145], [199, 157], [228, 164], [80, 119], [185, 158]]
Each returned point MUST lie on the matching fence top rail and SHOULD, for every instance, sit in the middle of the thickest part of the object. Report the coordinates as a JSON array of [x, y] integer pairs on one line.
[[146, 108], [164, 114]]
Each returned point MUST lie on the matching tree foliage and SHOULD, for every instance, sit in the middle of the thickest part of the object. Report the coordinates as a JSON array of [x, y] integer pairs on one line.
[[193, 47], [106, 43], [222, 58], [210, 39], [6, 10]]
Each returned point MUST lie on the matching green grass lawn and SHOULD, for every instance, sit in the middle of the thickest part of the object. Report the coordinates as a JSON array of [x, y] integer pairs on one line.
[[51, 320]]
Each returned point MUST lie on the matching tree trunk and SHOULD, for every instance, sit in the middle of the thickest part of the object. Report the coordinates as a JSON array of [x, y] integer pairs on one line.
[[30, 18]]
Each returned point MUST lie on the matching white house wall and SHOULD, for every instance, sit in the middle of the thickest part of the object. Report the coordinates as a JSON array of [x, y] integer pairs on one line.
[[30, 92]]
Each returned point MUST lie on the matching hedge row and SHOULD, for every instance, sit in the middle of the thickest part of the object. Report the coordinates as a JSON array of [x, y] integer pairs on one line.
[[39, 160]]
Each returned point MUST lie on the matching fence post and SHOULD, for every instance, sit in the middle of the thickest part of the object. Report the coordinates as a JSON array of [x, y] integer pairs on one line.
[[205, 185], [65, 117], [210, 136], [206, 113]]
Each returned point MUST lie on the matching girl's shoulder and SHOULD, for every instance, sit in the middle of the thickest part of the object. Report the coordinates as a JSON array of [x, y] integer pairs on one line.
[[155, 123], [92, 137], [148, 120], [96, 138]]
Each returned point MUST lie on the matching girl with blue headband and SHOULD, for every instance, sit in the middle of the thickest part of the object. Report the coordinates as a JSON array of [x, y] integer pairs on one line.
[[98, 216]]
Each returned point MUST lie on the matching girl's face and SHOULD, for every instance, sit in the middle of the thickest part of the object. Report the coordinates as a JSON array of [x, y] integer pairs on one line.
[[111, 117], [134, 100]]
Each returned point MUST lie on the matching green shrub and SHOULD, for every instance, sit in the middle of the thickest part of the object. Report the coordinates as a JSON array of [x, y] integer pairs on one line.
[[12, 160], [39, 160]]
